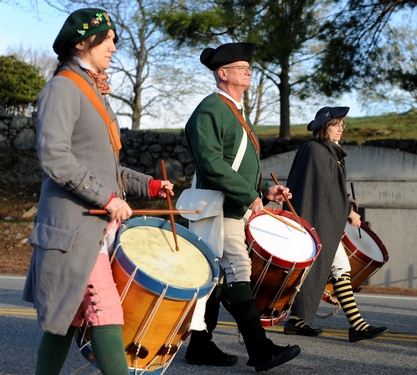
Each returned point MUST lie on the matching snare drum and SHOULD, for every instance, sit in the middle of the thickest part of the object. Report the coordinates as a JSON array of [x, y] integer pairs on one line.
[[367, 254], [281, 258], [158, 287]]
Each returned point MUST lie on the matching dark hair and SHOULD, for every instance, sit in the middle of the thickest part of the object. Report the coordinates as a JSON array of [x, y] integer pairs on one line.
[[321, 133], [68, 50]]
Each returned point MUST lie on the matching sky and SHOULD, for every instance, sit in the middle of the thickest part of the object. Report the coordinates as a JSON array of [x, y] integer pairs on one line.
[[38, 29]]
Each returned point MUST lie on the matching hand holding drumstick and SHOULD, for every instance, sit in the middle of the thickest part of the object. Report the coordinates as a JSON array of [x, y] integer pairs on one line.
[[168, 194], [287, 201]]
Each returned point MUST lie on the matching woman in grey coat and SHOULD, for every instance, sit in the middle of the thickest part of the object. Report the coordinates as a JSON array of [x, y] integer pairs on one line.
[[69, 279]]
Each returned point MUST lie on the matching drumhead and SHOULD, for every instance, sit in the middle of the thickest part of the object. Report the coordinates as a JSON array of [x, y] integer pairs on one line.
[[365, 244], [152, 250], [281, 240]]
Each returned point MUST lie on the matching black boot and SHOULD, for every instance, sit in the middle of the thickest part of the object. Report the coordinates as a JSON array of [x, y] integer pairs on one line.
[[263, 353], [201, 350]]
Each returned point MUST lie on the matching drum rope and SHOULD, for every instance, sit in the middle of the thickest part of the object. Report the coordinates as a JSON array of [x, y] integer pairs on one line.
[[362, 270], [184, 315], [282, 288], [151, 317], [261, 277], [128, 284]]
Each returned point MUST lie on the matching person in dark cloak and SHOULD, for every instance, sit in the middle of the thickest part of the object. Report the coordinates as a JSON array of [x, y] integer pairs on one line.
[[317, 180]]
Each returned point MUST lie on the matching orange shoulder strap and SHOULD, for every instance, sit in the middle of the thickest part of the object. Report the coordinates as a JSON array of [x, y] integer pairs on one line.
[[89, 92]]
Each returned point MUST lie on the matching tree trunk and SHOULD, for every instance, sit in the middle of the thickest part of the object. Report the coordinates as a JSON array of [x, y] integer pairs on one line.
[[284, 91]]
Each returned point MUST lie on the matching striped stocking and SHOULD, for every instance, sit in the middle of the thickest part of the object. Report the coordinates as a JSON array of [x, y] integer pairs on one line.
[[344, 293]]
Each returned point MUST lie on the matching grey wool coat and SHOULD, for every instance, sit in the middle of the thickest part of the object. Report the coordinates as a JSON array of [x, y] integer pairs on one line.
[[80, 171], [317, 181]]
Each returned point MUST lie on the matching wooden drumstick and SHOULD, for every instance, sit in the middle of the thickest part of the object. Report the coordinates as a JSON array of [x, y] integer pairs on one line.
[[146, 211], [287, 201], [265, 211], [354, 207], [171, 216]]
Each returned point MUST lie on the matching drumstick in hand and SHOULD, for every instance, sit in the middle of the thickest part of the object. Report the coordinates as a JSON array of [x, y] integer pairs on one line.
[[146, 211], [171, 216], [287, 201], [354, 207]]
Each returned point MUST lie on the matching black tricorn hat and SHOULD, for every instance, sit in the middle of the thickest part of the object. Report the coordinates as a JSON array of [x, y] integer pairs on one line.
[[226, 54], [326, 114]]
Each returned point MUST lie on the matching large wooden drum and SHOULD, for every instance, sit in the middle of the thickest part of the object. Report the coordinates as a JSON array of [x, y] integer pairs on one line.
[[158, 287], [281, 258]]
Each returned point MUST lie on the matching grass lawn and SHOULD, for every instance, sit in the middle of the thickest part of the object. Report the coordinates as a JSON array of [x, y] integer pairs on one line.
[[359, 129]]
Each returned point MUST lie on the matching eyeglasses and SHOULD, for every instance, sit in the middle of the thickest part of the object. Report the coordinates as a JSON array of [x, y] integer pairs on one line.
[[342, 126], [240, 67]]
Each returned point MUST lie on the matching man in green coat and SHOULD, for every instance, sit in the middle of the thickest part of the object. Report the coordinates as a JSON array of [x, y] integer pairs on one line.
[[214, 135]]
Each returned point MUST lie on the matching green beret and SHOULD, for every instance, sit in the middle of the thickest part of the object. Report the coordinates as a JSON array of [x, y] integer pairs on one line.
[[82, 24]]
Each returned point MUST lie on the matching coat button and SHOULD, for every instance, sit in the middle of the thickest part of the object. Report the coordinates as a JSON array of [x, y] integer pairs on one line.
[[91, 294], [91, 286], [86, 186], [101, 243]]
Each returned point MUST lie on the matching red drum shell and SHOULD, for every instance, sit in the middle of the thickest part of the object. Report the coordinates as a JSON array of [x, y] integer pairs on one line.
[[276, 281], [363, 266]]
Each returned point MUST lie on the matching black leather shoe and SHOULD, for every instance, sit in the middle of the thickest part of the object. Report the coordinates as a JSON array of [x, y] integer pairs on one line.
[[291, 329], [368, 333], [288, 353], [211, 357]]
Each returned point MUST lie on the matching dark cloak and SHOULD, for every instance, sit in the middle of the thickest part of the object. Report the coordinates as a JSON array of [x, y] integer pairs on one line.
[[317, 181]]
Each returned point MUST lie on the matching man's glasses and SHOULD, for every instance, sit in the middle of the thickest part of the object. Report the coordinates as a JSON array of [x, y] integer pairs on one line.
[[240, 67]]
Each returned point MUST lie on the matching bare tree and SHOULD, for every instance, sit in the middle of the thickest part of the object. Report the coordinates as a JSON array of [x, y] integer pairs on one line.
[[142, 74]]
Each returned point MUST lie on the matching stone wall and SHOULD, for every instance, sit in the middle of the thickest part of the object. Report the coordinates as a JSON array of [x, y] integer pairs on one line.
[[143, 150]]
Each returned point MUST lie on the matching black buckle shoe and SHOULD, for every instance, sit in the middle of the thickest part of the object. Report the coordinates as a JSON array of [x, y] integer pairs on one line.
[[213, 356], [368, 333], [288, 353], [291, 329]]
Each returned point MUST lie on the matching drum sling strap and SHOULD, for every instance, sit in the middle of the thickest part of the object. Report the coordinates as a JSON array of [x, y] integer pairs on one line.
[[101, 109], [249, 131], [98, 105]]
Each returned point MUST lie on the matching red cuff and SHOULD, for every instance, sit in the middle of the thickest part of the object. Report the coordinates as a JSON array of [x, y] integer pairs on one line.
[[112, 196], [154, 187]]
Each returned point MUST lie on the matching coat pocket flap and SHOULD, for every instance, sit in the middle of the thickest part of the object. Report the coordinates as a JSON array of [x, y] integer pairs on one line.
[[49, 237]]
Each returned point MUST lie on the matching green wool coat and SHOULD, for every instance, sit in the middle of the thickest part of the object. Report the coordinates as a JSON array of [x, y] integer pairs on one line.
[[214, 134]]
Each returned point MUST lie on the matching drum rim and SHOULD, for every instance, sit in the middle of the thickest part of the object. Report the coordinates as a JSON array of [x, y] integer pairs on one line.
[[357, 253], [154, 285], [277, 261]]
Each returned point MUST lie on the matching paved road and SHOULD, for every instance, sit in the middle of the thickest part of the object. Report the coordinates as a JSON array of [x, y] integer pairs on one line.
[[394, 353]]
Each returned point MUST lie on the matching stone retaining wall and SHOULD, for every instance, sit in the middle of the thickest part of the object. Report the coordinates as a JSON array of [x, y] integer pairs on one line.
[[143, 150]]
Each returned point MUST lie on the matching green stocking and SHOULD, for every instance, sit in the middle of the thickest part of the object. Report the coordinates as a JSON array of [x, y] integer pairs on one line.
[[53, 351], [108, 348]]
